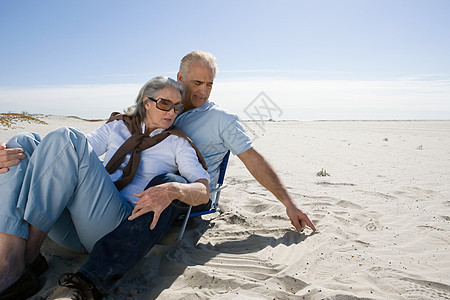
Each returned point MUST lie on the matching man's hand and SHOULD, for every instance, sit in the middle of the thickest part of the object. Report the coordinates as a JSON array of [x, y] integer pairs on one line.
[[266, 176], [9, 157], [298, 218], [157, 199]]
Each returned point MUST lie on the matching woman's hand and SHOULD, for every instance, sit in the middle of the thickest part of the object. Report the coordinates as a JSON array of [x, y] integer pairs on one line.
[[157, 199], [9, 157]]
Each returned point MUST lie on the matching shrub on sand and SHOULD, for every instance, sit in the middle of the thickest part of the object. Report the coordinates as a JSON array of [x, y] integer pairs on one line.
[[323, 173], [9, 120]]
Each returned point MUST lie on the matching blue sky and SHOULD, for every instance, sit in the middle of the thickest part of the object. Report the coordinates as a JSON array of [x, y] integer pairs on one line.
[[360, 59]]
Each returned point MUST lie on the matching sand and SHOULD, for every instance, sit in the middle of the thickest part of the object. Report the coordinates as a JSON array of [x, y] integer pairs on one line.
[[383, 218]]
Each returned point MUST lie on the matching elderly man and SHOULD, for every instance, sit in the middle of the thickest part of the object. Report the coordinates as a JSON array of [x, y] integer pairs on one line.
[[214, 131]]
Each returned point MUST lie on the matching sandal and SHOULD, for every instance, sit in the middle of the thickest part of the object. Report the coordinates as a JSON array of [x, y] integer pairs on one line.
[[73, 286]]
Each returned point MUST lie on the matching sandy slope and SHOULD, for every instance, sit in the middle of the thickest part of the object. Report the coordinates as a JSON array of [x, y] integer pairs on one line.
[[383, 218]]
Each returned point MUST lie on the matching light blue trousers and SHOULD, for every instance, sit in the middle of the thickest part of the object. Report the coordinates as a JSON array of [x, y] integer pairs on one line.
[[61, 188]]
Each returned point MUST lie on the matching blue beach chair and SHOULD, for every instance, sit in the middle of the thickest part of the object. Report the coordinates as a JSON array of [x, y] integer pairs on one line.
[[214, 195]]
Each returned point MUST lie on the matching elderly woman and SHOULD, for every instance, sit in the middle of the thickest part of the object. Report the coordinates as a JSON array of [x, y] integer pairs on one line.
[[64, 191]]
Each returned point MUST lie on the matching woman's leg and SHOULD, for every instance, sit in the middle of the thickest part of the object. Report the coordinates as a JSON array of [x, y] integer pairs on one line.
[[13, 229], [65, 173], [11, 216], [125, 246]]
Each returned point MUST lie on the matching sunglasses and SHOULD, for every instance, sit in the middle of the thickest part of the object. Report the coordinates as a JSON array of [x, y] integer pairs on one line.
[[167, 105]]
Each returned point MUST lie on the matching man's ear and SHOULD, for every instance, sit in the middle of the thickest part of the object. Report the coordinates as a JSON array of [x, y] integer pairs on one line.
[[180, 77]]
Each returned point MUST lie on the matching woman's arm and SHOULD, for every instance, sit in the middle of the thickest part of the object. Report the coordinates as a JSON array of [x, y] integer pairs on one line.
[[99, 138], [158, 198], [194, 193]]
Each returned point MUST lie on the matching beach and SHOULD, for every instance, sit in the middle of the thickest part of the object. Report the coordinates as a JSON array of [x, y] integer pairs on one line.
[[381, 209]]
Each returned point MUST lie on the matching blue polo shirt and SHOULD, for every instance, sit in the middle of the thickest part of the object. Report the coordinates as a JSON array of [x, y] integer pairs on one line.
[[214, 131]]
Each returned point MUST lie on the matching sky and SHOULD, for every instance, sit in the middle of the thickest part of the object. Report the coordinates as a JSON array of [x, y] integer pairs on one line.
[[282, 60]]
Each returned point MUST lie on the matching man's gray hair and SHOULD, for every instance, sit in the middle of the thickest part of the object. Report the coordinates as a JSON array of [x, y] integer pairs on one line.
[[151, 89], [202, 57]]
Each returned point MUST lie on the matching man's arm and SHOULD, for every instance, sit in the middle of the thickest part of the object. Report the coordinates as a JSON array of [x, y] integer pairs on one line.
[[268, 178], [9, 157], [159, 197]]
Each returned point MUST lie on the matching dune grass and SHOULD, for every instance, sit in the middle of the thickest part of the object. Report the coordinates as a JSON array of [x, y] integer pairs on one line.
[[9, 120]]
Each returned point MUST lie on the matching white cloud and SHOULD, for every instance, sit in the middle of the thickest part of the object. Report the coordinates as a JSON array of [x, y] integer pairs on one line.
[[298, 99], [337, 99]]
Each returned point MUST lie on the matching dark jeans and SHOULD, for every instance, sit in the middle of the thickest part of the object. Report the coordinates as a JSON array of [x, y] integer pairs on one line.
[[121, 249]]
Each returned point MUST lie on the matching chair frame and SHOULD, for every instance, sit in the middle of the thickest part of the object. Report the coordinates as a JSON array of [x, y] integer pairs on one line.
[[215, 192]]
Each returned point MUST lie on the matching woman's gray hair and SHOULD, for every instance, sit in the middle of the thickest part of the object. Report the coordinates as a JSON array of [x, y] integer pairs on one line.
[[202, 57], [151, 89]]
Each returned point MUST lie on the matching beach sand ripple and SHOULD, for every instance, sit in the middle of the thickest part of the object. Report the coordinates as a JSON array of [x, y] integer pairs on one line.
[[383, 218]]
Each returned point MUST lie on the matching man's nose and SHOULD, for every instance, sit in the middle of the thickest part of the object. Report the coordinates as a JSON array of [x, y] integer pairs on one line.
[[203, 90]]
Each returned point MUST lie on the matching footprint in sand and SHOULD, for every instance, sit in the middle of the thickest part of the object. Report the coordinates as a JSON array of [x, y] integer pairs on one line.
[[371, 227], [422, 289]]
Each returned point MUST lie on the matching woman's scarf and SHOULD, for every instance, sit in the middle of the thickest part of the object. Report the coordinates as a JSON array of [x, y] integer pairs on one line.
[[137, 143]]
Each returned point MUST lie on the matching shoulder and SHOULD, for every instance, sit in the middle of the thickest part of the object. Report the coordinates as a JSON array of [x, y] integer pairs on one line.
[[116, 124], [177, 131], [116, 127], [178, 136], [218, 116], [220, 111], [177, 144]]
